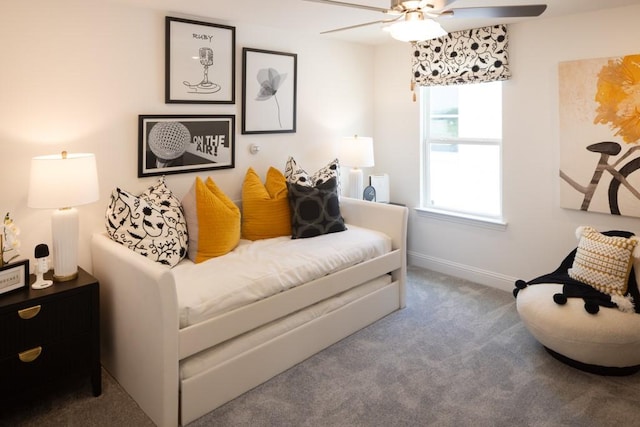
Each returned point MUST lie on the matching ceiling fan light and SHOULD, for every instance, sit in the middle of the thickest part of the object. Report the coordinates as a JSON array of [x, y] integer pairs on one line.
[[416, 30]]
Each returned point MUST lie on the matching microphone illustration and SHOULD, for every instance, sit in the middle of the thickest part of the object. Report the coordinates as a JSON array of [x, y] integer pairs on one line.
[[206, 59], [205, 86], [41, 253], [168, 141]]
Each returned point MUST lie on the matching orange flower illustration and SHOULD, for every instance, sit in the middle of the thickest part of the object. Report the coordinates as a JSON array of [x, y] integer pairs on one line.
[[618, 96]]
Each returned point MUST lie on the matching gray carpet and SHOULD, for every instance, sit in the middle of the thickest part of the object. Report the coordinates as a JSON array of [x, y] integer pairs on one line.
[[456, 356]]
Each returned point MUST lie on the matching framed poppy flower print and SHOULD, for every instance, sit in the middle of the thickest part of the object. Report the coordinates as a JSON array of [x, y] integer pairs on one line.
[[268, 91]]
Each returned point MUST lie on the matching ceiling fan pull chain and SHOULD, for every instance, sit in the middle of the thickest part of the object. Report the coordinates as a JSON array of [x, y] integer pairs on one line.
[[413, 89]]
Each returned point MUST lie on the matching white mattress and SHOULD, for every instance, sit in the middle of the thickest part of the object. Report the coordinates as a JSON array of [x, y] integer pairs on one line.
[[259, 269], [212, 357]]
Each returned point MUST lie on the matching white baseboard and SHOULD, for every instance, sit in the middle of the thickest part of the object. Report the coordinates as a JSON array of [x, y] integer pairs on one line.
[[467, 272]]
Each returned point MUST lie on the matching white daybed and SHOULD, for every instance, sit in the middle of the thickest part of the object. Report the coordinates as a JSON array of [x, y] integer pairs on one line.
[[177, 371]]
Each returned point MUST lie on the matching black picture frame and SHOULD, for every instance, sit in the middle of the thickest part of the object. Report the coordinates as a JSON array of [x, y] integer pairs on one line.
[[14, 276], [269, 91], [171, 144], [200, 62]]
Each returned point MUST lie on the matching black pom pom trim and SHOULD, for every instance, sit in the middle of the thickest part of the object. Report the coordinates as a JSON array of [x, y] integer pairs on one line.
[[560, 299], [521, 284], [591, 307]]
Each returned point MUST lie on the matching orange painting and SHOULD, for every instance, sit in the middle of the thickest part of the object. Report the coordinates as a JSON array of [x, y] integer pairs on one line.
[[600, 135]]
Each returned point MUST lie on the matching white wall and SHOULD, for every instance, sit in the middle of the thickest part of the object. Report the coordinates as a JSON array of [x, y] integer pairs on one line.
[[539, 233], [76, 74]]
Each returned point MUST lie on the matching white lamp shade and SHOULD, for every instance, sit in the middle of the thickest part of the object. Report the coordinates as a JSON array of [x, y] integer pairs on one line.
[[357, 152], [416, 30], [61, 182]]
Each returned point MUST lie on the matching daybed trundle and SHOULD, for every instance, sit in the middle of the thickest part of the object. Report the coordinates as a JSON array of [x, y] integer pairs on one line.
[[181, 349]]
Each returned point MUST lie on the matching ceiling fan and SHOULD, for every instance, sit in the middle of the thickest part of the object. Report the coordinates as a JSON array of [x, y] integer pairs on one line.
[[415, 20]]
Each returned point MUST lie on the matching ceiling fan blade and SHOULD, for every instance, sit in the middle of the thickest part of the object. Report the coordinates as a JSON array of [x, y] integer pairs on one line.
[[358, 6], [384, 21], [496, 11]]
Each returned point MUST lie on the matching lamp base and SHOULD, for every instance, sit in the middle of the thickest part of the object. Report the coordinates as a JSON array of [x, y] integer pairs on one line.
[[355, 183], [64, 228], [65, 278]]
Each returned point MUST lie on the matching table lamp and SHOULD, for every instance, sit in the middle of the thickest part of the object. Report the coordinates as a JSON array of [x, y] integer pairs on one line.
[[61, 182], [357, 152]]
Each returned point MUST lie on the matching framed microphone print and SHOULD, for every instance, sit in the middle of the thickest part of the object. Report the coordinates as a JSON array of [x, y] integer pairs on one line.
[[169, 144], [199, 62]]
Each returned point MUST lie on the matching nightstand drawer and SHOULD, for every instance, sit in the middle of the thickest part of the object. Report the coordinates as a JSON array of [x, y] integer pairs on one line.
[[40, 365], [39, 322]]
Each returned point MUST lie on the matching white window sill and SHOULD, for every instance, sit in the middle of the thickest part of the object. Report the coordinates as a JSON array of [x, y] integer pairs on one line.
[[460, 218]]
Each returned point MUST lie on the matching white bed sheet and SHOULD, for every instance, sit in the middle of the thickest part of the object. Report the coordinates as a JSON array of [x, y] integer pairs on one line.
[[212, 357], [259, 269]]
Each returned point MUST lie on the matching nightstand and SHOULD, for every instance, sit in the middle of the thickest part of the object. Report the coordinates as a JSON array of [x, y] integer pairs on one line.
[[50, 335]]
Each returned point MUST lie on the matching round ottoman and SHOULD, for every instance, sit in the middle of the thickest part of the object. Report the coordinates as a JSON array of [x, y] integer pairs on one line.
[[605, 343]]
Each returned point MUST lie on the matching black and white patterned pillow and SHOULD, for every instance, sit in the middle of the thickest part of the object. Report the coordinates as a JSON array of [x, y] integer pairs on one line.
[[151, 224], [295, 174], [315, 210], [160, 194]]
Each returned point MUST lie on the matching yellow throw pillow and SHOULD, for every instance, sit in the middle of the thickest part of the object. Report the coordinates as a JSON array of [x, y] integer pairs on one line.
[[213, 221], [265, 208]]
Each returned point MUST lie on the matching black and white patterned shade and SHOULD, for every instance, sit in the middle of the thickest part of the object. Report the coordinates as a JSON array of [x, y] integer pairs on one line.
[[469, 56]]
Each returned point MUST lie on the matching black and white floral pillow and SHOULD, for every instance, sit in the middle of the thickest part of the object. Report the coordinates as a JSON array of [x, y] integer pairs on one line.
[[160, 194], [296, 175], [151, 224]]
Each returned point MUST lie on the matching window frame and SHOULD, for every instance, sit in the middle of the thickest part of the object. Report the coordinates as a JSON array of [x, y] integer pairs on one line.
[[459, 216]]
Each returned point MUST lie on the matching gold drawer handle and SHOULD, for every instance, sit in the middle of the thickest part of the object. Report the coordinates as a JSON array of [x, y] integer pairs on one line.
[[29, 313], [30, 355]]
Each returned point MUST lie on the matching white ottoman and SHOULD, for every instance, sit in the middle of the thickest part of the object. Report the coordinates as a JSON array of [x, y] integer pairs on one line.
[[605, 343]]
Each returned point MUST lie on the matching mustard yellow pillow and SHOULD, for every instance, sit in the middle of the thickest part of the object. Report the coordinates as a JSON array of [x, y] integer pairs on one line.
[[213, 221], [265, 208]]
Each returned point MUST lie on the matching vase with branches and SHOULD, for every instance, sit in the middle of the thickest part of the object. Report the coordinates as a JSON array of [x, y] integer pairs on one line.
[[9, 243]]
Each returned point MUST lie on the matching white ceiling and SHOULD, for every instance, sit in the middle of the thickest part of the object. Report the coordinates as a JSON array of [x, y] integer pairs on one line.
[[308, 17]]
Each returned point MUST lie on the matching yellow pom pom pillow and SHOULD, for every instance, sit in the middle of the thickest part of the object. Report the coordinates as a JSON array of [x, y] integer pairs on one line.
[[603, 262], [265, 207], [213, 221]]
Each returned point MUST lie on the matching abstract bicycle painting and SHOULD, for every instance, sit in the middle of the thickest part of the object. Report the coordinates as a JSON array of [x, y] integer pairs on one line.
[[600, 135]]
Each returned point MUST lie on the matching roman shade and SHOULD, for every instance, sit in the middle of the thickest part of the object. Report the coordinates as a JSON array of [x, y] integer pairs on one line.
[[469, 56]]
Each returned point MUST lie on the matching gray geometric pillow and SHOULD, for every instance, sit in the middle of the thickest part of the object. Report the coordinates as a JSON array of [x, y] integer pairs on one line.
[[315, 210], [150, 224]]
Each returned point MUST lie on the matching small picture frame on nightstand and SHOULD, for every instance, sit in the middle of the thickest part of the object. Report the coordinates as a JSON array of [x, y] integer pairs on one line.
[[14, 276]]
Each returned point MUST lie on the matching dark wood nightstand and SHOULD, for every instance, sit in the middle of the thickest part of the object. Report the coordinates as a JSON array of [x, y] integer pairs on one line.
[[50, 335]]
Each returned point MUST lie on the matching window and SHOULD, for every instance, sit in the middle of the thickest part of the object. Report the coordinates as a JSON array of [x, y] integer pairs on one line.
[[462, 131]]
